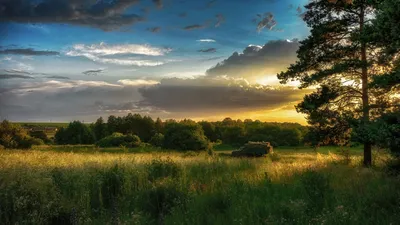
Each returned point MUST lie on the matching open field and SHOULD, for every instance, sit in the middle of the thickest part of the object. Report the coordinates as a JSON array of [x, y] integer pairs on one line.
[[57, 185], [43, 124]]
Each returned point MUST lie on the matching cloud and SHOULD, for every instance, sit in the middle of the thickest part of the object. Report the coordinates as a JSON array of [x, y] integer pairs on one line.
[[18, 71], [220, 20], [265, 21], [58, 77], [93, 72], [28, 52], [64, 100], [194, 27], [220, 94], [206, 40], [154, 29], [138, 82], [105, 15], [103, 53], [256, 61], [209, 50], [14, 76], [105, 49], [212, 58], [159, 3]]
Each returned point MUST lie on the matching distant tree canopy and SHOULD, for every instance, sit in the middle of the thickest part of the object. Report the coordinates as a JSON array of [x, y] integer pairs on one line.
[[118, 140], [144, 127], [75, 133], [182, 135]]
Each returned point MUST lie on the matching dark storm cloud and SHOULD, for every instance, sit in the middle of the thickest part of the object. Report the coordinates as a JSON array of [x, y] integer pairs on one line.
[[106, 15], [14, 76], [63, 99], [154, 29], [159, 3], [93, 72], [194, 27], [269, 59], [202, 94], [208, 50], [28, 51]]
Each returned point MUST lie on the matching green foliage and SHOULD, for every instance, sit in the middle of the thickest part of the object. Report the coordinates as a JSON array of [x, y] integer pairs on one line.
[[75, 133], [100, 129], [209, 130], [39, 134], [14, 136], [317, 189], [157, 140], [135, 124], [118, 139], [160, 200], [186, 135], [342, 55], [66, 189], [158, 168]]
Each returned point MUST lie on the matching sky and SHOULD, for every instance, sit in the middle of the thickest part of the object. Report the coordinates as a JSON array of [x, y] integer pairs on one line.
[[64, 60]]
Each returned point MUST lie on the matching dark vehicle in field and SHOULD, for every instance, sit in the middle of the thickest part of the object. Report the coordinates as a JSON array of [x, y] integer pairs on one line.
[[253, 149]]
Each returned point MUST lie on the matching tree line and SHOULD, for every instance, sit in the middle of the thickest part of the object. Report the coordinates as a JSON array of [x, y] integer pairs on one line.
[[185, 134]]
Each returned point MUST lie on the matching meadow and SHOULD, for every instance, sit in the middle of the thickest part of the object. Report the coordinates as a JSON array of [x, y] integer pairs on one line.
[[88, 185]]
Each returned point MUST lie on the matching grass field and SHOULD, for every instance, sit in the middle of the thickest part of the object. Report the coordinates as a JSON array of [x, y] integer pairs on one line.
[[43, 124], [85, 185]]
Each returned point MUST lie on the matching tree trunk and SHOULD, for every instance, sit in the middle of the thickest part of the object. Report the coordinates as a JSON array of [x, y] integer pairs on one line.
[[365, 96]]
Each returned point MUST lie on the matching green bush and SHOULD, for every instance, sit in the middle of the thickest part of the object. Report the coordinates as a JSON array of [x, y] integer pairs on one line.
[[157, 140], [14, 136], [39, 134], [36, 141], [186, 135], [118, 139]]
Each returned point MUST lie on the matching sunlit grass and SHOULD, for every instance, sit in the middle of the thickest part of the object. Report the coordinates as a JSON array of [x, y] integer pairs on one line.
[[100, 186]]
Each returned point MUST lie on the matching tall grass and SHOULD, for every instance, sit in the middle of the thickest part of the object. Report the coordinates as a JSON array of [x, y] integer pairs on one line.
[[289, 187]]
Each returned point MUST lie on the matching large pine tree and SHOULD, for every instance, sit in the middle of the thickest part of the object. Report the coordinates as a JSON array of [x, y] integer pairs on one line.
[[340, 60]]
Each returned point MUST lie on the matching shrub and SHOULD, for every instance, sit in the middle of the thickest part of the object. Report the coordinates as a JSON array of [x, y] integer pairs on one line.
[[36, 141], [118, 139], [14, 136], [157, 140], [39, 134], [186, 135], [163, 168]]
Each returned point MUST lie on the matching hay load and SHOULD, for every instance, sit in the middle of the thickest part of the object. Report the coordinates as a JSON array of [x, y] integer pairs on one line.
[[253, 149]]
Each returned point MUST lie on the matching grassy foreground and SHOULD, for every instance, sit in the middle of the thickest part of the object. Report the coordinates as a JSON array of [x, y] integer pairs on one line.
[[289, 187]]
